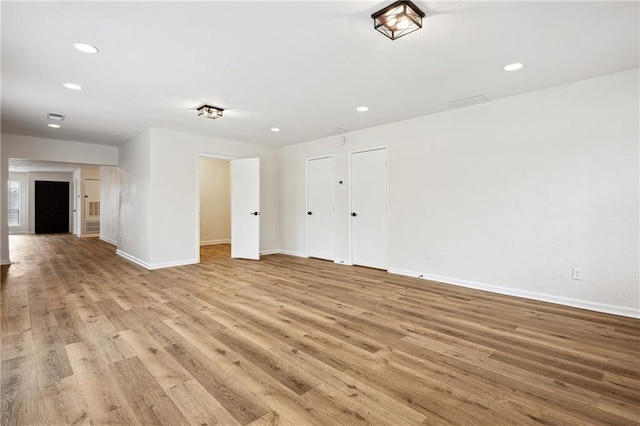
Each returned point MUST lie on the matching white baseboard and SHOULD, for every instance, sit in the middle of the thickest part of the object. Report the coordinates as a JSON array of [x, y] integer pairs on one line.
[[152, 266], [173, 264], [268, 252], [133, 259], [566, 301], [213, 242], [5, 262], [108, 240], [342, 262], [293, 253]]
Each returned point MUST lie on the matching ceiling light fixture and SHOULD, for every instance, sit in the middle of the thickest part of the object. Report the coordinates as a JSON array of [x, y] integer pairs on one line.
[[362, 109], [275, 129], [54, 126], [72, 86], [86, 48], [208, 111], [398, 19], [513, 67]]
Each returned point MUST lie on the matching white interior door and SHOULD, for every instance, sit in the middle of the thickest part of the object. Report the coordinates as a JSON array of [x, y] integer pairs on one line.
[[245, 208], [320, 207], [369, 208]]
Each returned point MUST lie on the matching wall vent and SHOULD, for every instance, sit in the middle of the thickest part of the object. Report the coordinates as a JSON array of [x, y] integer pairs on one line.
[[92, 226], [460, 103], [94, 208]]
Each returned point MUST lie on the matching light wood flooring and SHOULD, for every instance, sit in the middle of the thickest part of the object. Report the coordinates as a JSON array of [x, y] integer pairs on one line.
[[90, 338]]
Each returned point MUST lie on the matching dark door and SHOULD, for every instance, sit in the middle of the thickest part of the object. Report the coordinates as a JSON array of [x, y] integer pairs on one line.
[[52, 207]]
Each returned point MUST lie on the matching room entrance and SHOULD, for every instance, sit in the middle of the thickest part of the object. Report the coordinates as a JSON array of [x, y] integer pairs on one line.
[[229, 205], [51, 207]]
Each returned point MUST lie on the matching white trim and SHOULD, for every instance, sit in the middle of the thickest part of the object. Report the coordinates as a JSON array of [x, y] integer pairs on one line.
[[133, 259], [5, 262], [293, 253], [333, 211], [18, 232], [387, 193], [110, 241], [268, 252], [152, 266], [565, 301], [198, 156], [345, 262], [173, 264], [214, 242]]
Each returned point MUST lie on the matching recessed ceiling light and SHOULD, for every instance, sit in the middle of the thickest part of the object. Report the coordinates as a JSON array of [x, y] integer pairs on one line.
[[72, 86], [54, 126], [275, 129], [362, 109], [86, 48], [513, 67]]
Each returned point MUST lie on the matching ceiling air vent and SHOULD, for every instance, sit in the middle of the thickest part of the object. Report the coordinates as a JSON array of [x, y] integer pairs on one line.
[[334, 131], [54, 116], [461, 103]]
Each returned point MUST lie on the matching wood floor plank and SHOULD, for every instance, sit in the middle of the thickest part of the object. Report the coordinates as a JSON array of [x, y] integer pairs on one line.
[[90, 338], [149, 401]]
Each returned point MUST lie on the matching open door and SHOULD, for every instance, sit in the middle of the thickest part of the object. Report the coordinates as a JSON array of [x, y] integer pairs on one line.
[[245, 208]]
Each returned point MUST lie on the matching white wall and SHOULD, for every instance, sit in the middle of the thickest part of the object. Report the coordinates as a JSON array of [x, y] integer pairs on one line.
[[30, 148], [507, 196], [109, 192], [32, 177], [174, 196], [24, 203], [134, 235], [215, 201]]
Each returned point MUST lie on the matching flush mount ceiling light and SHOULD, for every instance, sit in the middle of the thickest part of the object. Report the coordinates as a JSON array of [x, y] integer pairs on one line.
[[398, 19], [86, 48], [513, 67], [208, 111], [73, 86]]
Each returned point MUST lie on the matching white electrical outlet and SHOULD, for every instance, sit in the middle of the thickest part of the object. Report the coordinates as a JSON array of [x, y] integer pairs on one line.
[[576, 273]]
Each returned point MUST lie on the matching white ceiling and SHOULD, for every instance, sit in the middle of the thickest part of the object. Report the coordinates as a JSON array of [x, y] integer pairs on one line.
[[301, 66]]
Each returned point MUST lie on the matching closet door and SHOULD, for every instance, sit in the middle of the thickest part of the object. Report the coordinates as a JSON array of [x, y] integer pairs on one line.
[[320, 207], [369, 181]]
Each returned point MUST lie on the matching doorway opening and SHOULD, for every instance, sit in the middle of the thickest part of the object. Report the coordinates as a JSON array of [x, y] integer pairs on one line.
[[214, 207], [51, 207]]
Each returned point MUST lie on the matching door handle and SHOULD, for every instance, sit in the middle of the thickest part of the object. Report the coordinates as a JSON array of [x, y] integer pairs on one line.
[[309, 213], [354, 214], [255, 213]]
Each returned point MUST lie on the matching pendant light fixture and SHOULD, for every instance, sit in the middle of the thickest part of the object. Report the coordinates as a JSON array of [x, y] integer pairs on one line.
[[398, 19]]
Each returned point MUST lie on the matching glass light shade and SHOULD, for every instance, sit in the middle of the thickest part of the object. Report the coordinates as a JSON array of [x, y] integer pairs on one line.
[[398, 19], [208, 111]]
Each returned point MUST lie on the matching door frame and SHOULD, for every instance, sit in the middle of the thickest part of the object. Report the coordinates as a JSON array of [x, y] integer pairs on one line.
[[308, 159], [356, 151], [200, 155]]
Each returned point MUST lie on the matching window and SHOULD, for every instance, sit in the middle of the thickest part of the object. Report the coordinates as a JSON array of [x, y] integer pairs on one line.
[[14, 203]]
